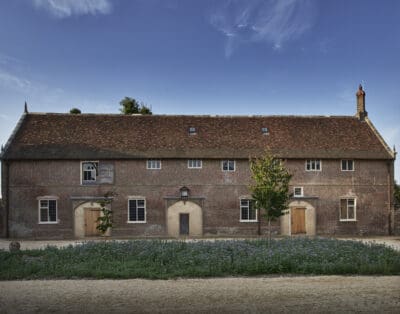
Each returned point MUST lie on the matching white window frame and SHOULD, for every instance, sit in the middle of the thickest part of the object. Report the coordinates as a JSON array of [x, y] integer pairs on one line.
[[228, 161], [347, 208], [87, 182], [192, 130], [48, 222], [347, 164], [137, 198], [195, 163], [151, 164], [248, 208], [301, 191], [310, 161]]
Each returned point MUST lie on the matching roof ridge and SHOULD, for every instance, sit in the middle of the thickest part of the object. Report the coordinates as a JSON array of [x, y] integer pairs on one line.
[[192, 115]]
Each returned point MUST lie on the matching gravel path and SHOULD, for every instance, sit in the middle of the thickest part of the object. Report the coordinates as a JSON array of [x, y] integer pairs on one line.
[[321, 294]]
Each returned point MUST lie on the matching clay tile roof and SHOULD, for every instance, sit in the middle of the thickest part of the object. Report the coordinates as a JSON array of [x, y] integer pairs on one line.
[[100, 136]]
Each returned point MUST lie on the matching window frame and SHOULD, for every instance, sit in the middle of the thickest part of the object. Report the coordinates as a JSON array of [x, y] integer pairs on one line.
[[153, 160], [301, 189], [192, 130], [228, 161], [47, 222], [194, 167], [248, 208], [347, 209], [315, 160], [347, 164], [91, 182], [137, 198]]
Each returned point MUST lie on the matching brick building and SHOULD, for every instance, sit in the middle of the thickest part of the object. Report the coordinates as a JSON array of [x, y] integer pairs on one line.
[[189, 175]]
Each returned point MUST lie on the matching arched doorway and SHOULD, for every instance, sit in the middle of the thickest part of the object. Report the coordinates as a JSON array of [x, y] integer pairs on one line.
[[300, 218], [184, 219], [85, 216]]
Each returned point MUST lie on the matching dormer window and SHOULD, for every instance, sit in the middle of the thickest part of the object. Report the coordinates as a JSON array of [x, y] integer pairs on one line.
[[192, 131], [264, 131]]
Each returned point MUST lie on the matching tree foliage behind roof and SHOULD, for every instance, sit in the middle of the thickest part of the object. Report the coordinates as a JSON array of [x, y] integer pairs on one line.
[[75, 111], [132, 106]]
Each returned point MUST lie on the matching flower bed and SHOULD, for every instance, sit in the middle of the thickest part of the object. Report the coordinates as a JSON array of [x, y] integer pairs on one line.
[[159, 259]]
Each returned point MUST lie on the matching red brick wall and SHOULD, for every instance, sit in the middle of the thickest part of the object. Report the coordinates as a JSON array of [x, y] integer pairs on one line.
[[221, 192]]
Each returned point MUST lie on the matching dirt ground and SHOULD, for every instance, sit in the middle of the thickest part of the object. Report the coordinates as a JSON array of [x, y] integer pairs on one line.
[[321, 294]]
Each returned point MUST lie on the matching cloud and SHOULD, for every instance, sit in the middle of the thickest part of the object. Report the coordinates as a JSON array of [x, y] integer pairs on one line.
[[276, 22], [9, 80], [68, 8]]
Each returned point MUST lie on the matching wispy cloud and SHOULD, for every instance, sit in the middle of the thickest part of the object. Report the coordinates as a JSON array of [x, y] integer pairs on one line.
[[272, 21], [67, 8], [12, 81]]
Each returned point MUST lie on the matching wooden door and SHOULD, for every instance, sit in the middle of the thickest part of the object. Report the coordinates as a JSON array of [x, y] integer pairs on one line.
[[184, 224], [298, 223], [91, 223]]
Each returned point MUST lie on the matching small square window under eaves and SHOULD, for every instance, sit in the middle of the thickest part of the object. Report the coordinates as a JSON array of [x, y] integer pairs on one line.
[[264, 131]]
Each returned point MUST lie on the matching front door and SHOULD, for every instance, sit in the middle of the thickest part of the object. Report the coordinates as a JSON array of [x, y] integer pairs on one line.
[[184, 224], [298, 224], [91, 223]]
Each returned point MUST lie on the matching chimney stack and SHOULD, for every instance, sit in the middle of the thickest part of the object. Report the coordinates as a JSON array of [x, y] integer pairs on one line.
[[361, 113]]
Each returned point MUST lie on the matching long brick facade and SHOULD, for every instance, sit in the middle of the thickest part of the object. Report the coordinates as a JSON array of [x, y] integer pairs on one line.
[[45, 194]]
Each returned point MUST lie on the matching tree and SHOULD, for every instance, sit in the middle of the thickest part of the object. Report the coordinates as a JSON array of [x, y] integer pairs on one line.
[[105, 220], [270, 190], [75, 111], [131, 106]]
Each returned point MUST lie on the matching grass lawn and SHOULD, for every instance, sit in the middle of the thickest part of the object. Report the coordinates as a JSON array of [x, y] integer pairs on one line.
[[157, 259]]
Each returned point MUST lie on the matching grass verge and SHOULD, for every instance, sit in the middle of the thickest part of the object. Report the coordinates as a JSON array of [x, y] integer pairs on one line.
[[171, 259]]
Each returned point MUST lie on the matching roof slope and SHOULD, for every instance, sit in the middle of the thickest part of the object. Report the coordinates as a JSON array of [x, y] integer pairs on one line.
[[100, 136]]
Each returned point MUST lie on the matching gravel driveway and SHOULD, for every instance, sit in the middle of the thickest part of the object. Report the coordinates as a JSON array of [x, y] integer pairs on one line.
[[321, 294]]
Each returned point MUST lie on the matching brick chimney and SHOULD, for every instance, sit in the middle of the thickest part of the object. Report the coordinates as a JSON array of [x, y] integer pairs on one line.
[[361, 112]]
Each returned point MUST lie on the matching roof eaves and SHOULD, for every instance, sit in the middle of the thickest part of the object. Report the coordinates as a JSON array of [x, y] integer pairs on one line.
[[3, 154]]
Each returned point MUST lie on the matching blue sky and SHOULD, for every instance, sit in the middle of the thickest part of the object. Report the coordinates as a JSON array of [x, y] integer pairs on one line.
[[302, 57]]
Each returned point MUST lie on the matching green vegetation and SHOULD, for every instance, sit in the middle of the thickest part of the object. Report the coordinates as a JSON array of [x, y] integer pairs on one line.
[[156, 259], [132, 106], [75, 111], [270, 190]]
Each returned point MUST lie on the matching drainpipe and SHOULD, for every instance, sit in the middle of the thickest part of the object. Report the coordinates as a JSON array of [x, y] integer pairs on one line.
[[6, 193], [390, 182]]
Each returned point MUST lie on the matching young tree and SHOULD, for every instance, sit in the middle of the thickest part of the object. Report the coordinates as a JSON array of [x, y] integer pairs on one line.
[[131, 105], [396, 195], [105, 220], [270, 189]]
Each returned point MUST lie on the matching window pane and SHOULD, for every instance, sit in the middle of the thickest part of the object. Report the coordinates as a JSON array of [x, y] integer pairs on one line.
[[350, 165], [244, 202], [344, 165], [43, 214], [225, 165], [132, 210], [140, 214], [52, 210], [43, 203], [231, 165], [245, 215], [317, 165], [350, 202], [140, 203], [351, 212], [252, 214]]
